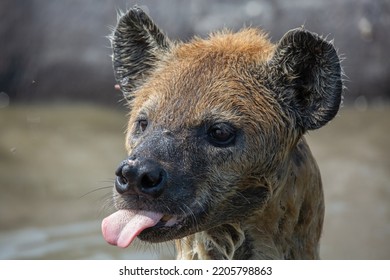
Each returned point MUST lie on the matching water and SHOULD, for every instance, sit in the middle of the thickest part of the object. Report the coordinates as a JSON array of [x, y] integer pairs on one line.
[[72, 241]]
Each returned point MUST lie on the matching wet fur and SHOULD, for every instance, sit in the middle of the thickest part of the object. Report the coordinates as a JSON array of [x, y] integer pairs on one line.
[[261, 198]]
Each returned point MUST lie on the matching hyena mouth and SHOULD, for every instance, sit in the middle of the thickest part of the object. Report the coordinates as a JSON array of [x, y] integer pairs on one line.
[[122, 227]]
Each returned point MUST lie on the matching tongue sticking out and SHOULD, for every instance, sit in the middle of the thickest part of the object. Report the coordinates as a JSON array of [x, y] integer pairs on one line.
[[122, 227]]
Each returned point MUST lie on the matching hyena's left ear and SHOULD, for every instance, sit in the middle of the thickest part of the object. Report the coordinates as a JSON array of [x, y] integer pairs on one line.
[[138, 45], [305, 73]]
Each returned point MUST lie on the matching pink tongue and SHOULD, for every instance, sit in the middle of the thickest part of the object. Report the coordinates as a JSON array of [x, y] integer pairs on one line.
[[123, 226]]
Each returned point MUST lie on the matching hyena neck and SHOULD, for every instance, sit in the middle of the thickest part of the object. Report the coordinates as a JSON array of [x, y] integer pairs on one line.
[[223, 242]]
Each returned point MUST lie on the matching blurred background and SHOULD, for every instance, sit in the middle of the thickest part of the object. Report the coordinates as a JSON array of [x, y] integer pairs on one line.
[[62, 123]]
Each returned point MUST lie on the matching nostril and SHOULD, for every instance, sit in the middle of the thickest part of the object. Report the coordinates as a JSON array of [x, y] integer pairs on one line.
[[122, 180], [123, 173], [151, 180], [121, 184]]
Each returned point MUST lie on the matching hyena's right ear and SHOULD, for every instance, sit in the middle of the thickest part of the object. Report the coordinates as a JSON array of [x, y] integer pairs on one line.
[[138, 45]]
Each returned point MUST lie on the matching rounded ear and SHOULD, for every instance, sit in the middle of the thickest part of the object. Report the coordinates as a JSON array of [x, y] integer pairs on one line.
[[138, 45], [305, 74]]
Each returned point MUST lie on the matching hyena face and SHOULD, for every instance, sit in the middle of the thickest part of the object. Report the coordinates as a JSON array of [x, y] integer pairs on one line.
[[212, 125]]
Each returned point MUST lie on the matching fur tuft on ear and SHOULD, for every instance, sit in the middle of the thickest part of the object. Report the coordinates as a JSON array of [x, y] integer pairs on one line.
[[305, 74], [138, 45]]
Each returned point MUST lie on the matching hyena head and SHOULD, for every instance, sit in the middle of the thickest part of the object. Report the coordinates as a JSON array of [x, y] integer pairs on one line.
[[212, 123]]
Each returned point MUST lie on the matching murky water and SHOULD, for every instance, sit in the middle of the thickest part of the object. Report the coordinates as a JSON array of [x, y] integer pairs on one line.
[[73, 241]]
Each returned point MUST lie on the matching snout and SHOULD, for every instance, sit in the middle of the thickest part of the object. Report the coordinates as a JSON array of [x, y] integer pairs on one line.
[[140, 176]]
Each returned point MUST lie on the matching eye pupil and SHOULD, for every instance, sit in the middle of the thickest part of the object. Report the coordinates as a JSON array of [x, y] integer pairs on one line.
[[221, 134], [143, 124]]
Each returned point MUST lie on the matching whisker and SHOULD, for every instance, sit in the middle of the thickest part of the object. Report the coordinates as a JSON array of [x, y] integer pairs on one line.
[[107, 204], [95, 190]]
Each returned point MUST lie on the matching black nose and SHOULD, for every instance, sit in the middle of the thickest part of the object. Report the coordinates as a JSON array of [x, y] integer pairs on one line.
[[140, 176]]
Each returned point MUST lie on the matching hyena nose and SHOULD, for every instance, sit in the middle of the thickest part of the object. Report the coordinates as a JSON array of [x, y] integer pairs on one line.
[[140, 176]]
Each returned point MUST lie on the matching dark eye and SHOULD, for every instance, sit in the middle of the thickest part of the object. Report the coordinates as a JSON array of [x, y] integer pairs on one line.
[[142, 125], [221, 134]]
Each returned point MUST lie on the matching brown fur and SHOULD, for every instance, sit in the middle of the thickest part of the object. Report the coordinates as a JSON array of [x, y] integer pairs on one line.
[[260, 197]]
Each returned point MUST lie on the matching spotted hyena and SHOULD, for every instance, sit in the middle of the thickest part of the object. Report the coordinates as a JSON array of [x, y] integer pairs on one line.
[[217, 159]]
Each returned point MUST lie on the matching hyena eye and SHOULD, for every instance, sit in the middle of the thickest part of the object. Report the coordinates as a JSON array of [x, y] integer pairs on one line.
[[142, 125], [221, 134]]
